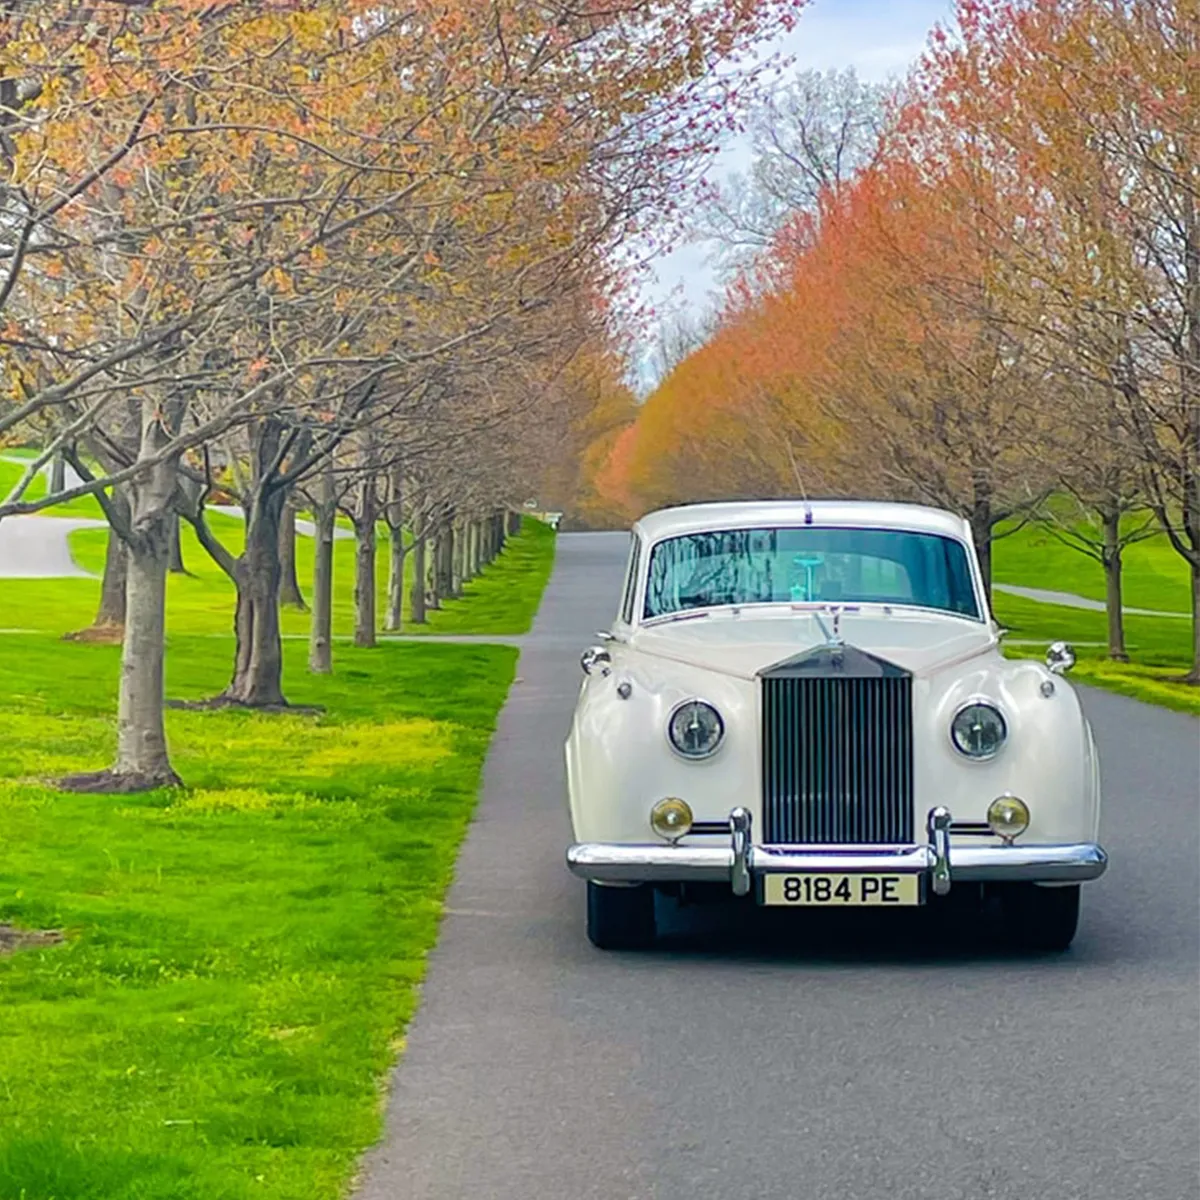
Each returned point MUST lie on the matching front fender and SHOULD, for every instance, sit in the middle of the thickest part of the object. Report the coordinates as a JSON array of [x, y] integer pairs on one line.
[[1049, 759], [620, 761]]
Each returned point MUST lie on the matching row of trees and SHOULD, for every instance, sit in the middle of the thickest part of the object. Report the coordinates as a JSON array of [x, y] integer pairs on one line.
[[981, 292], [321, 254]]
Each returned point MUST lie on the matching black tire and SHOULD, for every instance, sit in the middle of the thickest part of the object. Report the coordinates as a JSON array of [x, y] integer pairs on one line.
[[620, 918], [1041, 918]]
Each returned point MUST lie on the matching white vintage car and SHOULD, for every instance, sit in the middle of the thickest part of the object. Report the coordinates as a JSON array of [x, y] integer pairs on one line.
[[805, 704]]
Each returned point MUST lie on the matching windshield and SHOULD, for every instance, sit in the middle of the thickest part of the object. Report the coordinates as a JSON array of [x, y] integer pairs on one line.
[[808, 564]]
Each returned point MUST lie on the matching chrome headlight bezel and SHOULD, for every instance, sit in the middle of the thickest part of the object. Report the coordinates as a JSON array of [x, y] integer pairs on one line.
[[691, 755], [994, 708]]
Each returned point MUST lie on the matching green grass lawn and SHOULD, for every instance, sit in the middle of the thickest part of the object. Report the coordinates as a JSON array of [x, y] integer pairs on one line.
[[505, 597], [1155, 577], [502, 600], [241, 955], [1159, 647], [11, 472]]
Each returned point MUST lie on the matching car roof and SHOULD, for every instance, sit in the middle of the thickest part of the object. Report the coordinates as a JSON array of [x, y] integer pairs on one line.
[[746, 514]]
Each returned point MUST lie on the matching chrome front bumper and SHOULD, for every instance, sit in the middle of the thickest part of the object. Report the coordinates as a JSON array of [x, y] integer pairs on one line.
[[740, 861]]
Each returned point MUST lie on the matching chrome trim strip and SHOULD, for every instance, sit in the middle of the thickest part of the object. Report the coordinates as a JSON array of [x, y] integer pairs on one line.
[[971, 829], [939, 840], [715, 829], [1075, 862], [610, 863], [740, 877]]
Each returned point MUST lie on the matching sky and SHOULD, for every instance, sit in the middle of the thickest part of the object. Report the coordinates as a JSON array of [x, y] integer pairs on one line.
[[878, 38]]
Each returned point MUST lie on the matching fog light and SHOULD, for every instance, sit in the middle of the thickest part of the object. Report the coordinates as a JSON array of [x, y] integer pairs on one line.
[[671, 818], [1008, 817]]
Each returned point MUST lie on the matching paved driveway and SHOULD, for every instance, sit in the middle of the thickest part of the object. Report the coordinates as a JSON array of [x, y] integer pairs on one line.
[[915, 1061], [38, 547]]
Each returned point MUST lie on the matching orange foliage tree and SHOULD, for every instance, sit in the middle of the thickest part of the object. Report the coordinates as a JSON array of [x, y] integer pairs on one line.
[[1005, 302]]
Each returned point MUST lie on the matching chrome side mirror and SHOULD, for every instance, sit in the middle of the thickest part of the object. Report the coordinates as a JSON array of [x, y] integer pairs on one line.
[[596, 658], [606, 635], [1060, 657]]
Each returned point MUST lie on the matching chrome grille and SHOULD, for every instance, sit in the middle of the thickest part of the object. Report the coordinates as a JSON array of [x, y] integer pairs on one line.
[[837, 759]]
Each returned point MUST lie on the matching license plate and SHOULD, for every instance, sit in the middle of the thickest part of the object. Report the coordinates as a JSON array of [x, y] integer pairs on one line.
[[842, 891]]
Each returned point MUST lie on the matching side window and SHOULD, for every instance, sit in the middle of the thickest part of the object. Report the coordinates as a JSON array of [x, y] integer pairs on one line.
[[631, 582]]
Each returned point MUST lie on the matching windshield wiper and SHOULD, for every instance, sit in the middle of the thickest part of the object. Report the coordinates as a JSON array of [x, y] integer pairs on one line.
[[683, 614]]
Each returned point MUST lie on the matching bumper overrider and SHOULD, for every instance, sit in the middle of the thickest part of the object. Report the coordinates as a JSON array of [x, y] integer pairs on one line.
[[739, 862]]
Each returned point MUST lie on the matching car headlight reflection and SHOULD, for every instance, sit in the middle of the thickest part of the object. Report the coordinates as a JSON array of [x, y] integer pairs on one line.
[[695, 729], [978, 730]]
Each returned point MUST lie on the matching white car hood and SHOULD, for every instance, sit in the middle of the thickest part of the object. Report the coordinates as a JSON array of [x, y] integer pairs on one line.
[[743, 645]]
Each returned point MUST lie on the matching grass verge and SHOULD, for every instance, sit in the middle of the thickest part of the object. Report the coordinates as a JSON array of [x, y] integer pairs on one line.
[[502, 600], [1155, 576], [1159, 646], [505, 598], [241, 956]]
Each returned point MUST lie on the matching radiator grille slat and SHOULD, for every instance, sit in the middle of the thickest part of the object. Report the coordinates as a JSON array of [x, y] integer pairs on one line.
[[837, 760]]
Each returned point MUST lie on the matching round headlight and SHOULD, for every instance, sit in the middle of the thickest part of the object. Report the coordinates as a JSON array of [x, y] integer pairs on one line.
[[978, 730], [1008, 816], [671, 818], [695, 729]]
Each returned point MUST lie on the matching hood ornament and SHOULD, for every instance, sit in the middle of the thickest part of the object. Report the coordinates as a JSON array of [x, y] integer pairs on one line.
[[833, 637]]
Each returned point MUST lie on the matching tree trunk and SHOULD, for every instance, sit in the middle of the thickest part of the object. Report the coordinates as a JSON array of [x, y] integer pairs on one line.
[[243, 625], [433, 550], [1112, 586], [445, 562], [175, 559], [1193, 676], [486, 533], [111, 613], [142, 760], [58, 474], [320, 641], [514, 523], [981, 533], [258, 668], [458, 573], [289, 584], [393, 514], [417, 603], [395, 613], [473, 542], [364, 567], [364, 585]]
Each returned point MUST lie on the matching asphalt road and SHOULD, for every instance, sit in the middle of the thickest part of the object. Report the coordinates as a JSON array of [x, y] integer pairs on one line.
[[870, 1062], [39, 547]]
